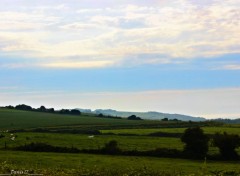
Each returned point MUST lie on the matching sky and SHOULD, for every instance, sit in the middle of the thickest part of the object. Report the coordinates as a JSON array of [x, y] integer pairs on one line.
[[180, 56]]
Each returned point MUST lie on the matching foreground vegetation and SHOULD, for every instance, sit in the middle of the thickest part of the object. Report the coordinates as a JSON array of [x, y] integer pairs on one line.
[[67, 164], [90, 133]]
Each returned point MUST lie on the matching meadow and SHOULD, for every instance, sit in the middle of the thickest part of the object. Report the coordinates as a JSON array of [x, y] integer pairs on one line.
[[130, 135], [61, 164], [207, 130], [17, 119]]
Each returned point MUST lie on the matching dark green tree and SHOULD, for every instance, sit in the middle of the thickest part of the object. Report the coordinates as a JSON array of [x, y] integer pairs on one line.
[[134, 117], [196, 142], [51, 110], [227, 143], [111, 147], [100, 115], [42, 109], [75, 112], [165, 119], [23, 107]]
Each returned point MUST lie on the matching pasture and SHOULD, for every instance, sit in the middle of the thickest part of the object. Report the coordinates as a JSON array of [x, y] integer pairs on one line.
[[207, 130], [60, 164], [130, 135]]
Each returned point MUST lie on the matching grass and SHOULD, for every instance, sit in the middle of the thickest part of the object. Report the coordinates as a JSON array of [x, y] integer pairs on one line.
[[28, 160], [141, 143], [54, 162], [207, 130], [80, 141], [15, 119]]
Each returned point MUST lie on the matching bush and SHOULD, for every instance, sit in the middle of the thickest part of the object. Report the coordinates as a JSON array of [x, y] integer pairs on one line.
[[23, 107], [133, 117], [111, 148], [227, 143], [75, 112], [43, 147], [196, 142]]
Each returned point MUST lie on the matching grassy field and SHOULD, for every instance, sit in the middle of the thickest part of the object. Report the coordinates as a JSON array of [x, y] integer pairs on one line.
[[80, 141], [52, 161], [207, 130], [15, 119], [141, 143]]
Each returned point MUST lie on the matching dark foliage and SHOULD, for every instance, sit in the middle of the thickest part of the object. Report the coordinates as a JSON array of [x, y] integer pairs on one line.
[[70, 112], [100, 115], [165, 119], [196, 142], [108, 116], [134, 117], [42, 109], [163, 134], [64, 111], [111, 148], [75, 112], [51, 110], [69, 131], [227, 143], [23, 107], [43, 147], [9, 107]]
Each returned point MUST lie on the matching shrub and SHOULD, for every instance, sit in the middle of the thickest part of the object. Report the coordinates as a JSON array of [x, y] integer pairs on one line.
[[196, 142], [111, 147], [227, 143], [133, 117]]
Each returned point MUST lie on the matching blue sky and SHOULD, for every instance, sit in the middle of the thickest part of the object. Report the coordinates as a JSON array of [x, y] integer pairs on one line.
[[179, 56]]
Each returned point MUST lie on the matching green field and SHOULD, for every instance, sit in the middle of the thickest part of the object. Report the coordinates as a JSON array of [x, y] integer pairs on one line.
[[57, 162], [130, 135], [207, 130], [80, 141], [15, 119]]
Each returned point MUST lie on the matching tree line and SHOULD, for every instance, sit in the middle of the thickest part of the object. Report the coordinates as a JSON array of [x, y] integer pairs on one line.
[[44, 109], [197, 143]]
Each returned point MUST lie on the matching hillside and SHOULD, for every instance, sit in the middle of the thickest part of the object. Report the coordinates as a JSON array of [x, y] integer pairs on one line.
[[18, 119], [145, 115]]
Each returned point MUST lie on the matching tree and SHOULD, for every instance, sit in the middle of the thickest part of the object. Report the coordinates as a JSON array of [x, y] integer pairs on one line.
[[111, 147], [227, 143], [196, 142], [23, 107], [165, 119], [100, 115], [9, 107], [75, 112], [64, 111], [51, 110], [42, 108], [134, 117]]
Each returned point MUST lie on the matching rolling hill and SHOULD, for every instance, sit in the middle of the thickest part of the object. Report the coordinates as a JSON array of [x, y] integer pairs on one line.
[[145, 115]]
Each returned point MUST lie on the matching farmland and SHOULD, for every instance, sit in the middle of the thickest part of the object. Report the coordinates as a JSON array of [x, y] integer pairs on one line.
[[130, 135], [207, 130], [66, 162], [15, 119]]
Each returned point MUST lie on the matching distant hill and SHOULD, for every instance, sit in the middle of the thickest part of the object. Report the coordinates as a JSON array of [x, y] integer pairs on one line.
[[144, 115], [228, 121]]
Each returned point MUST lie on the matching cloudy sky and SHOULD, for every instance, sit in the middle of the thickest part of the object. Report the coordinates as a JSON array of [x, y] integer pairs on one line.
[[179, 56]]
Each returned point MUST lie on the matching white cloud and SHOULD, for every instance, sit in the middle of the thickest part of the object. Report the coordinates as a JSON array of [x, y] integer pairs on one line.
[[84, 64], [78, 26], [179, 29], [232, 67]]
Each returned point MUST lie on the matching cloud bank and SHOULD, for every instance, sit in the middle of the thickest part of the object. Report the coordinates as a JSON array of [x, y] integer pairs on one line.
[[109, 34]]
